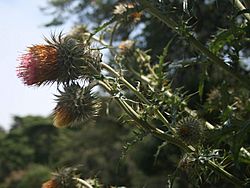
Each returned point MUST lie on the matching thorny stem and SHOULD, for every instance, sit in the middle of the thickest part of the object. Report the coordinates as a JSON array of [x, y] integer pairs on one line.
[[161, 134], [145, 79], [158, 132], [234, 180], [197, 44], [139, 95], [169, 138], [169, 94]]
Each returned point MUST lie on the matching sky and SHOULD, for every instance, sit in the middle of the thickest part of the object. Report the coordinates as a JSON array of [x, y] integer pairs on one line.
[[21, 25]]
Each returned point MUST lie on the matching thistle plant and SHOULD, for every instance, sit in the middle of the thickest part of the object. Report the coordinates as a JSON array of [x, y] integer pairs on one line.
[[145, 89]]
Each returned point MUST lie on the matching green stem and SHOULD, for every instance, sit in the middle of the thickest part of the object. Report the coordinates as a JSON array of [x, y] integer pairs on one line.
[[139, 95], [158, 132], [113, 33], [197, 44], [97, 39], [169, 94], [226, 175]]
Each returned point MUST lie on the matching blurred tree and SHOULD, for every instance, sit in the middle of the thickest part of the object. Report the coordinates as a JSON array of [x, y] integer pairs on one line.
[[33, 176]]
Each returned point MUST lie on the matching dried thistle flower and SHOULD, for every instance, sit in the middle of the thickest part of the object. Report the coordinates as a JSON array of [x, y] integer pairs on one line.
[[60, 60], [190, 130], [127, 12], [75, 105]]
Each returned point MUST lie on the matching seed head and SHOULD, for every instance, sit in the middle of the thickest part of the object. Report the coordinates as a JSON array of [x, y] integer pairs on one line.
[[127, 12], [75, 105]]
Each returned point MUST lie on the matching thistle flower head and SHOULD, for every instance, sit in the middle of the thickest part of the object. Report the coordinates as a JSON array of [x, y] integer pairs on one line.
[[38, 65], [61, 60], [75, 105], [190, 130]]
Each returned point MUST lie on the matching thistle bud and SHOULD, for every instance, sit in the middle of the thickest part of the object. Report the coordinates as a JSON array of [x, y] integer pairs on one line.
[[61, 60], [190, 130], [75, 105]]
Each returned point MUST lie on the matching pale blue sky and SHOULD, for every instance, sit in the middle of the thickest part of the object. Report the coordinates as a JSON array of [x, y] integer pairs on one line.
[[21, 26]]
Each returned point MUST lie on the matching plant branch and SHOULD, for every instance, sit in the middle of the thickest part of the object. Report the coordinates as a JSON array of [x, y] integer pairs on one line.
[[145, 125], [234, 180], [169, 94], [169, 138], [139, 95], [197, 44]]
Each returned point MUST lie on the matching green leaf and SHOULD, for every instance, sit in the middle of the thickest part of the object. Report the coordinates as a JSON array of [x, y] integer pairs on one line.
[[165, 51], [225, 36]]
